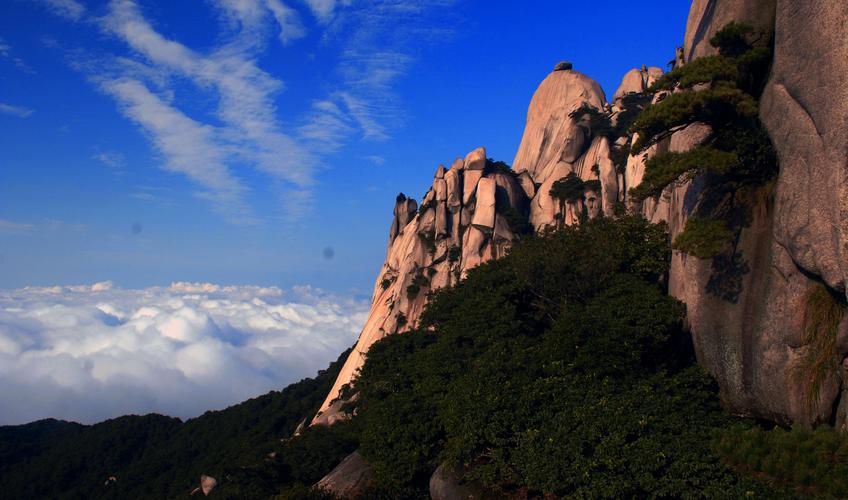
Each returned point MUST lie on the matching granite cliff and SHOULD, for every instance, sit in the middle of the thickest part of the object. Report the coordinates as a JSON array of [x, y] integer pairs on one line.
[[745, 307]]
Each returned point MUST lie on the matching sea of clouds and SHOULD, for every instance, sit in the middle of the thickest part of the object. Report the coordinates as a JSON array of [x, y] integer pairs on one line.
[[92, 352]]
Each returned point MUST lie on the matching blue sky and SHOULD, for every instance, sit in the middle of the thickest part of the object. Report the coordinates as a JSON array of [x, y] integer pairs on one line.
[[263, 141]]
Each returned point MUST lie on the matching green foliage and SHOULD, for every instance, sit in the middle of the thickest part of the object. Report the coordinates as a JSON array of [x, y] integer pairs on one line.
[[160, 457], [419, 281], [386, 283], [592, 185], [302, 492], [732, 39], [619, 155], [704, 70], [454, 253], [310, 456], [500, 167], [820, 361], [596, 121], [703, 238], [812, 463], [559, 369], [632, 105], [569, 189], [400, 197], [716, 106], [666, 168]]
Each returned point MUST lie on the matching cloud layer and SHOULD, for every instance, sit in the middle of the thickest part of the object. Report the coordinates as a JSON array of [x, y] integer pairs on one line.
[[87, 353]]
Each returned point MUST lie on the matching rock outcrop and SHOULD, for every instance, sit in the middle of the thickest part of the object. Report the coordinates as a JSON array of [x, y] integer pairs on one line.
[[207, 484], [446, 484], [463, 220], [805, 114], [556, 144], [349, 480], [745, 310], [706, 17]]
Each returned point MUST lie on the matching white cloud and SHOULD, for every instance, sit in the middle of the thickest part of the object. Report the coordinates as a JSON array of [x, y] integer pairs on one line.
[[325, 10], [19, 111], [291, 27], [167, 87], [69, 9], [91, 352], [245, 97]]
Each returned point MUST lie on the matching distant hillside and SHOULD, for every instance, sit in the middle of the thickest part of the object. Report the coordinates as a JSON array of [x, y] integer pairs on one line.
[[154, 456]]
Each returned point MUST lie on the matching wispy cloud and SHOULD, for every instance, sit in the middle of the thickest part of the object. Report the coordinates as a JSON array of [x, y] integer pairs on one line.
[[111, 159], [19, 111], [376, 160], [324, 10], [378, 38], [6, 53], [7, 226], [291, 27], [69, 9], [243, 130], [245, 106], [188, 147]]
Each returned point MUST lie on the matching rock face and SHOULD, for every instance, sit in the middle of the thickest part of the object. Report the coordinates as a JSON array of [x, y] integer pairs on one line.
[[746, 314], [555, 144], [706, 17], [805, 114], [349, 480], [635, 81], [462, 222]]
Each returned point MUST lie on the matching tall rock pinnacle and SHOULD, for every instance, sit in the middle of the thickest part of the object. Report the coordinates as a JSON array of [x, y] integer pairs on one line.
[[463, 220]]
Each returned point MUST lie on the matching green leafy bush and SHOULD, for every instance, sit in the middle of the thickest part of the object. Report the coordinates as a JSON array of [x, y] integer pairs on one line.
[[569, 189], [664, 169], [596, 121], [703, 238]]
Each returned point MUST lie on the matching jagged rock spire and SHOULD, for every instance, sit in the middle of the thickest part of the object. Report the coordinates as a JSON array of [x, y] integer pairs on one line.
[[460, 224]]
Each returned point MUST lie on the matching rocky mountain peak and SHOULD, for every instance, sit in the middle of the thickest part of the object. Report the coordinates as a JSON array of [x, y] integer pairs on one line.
[[466, 218]]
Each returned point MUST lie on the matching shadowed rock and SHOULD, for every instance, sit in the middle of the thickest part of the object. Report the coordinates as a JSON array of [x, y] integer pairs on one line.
[[350, 479]]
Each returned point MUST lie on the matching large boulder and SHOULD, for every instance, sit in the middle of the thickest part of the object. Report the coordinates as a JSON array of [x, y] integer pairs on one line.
[[636, 81], [550, 135], [350, 479], [484, 213]]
